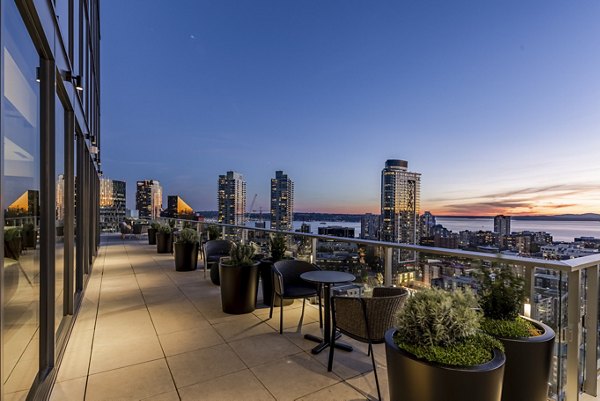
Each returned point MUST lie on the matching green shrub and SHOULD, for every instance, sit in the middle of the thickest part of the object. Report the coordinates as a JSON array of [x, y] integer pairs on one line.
[[11, 234], [443, 327], [516, 328], [278, 247], [188, 236], [241, 255], [501, 293], [155, 225], [435, 317], [28, 227], [165, 229], [214, 232]]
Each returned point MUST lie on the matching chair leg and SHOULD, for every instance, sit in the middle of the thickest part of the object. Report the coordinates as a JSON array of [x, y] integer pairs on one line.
[[375, 370], [320, 309], [331, 349], [272, 303], [280, 315]]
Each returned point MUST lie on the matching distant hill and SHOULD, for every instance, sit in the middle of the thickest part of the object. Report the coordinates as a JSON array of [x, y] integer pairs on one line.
[[558, 217]]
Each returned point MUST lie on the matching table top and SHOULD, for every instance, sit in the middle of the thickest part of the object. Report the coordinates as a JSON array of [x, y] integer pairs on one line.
[[327, 277]]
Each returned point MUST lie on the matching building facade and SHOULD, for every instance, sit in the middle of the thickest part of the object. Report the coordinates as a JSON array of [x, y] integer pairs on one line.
[[502, 225], [370, 227], [400, 203], [50, 156], [282, 202], [112, 203], [149, 199], [178, 209], [231, 198]]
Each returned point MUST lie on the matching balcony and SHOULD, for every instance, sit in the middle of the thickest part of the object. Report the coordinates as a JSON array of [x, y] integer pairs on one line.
[[145, 331]]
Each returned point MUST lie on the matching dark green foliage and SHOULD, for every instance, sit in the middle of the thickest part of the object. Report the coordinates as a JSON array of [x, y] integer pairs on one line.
[[11, 234], [28, 227], [517, 328], [502, 293], [241, 255], [165, 229], [214, 232], [278, 247], [188, 236], [475, 350], [435, 317], [187, 224], [155, 225], [172, 223]]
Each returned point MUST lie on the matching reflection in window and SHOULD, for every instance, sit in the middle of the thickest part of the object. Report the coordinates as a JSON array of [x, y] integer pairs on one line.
[[59, 212], [20, 201]]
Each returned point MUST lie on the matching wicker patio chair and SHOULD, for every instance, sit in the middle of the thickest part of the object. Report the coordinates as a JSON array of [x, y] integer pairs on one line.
[[366, 319]]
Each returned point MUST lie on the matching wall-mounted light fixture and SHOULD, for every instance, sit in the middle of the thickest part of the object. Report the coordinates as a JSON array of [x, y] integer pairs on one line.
[[74, 79]]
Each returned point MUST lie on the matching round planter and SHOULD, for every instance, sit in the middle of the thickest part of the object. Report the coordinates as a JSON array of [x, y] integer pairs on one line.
[[186, 256], [265, 269], [412, 379], [528, 365], [152, 236], [164, 242], [238, 288]]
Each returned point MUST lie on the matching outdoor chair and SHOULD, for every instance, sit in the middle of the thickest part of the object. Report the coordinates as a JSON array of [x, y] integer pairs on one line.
[[213, 251], [366, 319], [287, 284]]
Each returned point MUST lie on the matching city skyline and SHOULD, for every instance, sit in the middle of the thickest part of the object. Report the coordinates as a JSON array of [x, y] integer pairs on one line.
[[496, 105]]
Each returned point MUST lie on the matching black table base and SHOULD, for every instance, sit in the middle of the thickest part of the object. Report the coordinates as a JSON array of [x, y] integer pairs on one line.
[[323, 344]]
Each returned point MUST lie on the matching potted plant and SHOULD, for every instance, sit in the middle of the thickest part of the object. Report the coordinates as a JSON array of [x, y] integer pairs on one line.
[[278, 246], [164, 239], [528, 344], [214, 232], [239, 278], [12, 243], [154, 226], [29, 236], [186, 250], [437, 352]]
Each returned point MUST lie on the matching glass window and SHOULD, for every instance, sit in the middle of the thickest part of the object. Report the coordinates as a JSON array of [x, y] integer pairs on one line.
[[62, 15], [59, 116], [20, 131]]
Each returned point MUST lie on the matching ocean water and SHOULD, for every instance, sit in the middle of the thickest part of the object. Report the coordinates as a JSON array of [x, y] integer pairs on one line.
[[560, 230]]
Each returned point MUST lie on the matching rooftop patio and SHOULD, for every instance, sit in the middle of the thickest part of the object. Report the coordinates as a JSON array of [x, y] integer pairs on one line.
[[147, 332]]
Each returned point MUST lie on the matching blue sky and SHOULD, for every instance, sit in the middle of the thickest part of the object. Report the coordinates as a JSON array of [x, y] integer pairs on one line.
[[497, 104]]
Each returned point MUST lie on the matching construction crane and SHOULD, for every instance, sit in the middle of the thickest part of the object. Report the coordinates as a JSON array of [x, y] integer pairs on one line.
[[251, 209]]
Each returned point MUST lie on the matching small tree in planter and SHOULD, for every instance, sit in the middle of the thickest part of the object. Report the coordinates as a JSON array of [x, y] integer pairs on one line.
[[528, 343], [164, 239], [239, 278], [214, 232], [278, 246], [12, 243], [28, 236], [186, 250], [437, 353], [152, 230]]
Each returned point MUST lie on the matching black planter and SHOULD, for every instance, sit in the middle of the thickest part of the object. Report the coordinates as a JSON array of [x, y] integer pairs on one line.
[[29, 238], [265, 269], [60, 231], [164, 242], [412, 379], [528, 365], [238, 288], [152, 236], [186, 256]]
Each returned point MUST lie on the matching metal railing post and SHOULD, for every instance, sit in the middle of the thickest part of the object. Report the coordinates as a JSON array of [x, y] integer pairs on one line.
[[313, 250], [530, 291], [573, 335], [387, 272], [590, 382]]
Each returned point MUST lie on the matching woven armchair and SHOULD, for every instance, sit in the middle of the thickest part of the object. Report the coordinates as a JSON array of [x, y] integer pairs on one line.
[[366, 319]]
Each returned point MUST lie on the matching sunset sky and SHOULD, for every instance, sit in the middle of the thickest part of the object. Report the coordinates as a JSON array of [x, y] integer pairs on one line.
[[496, 104]]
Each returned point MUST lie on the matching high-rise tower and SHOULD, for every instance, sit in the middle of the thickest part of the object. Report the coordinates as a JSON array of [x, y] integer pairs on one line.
[[400, 202], [232, 198], [282, 202], [502, 225], [148, 199]]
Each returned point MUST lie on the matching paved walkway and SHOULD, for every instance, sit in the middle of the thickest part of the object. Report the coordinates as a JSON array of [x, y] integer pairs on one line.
[[147, 332]]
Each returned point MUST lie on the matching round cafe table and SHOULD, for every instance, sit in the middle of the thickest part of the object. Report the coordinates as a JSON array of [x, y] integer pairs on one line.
[[327, 278]]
